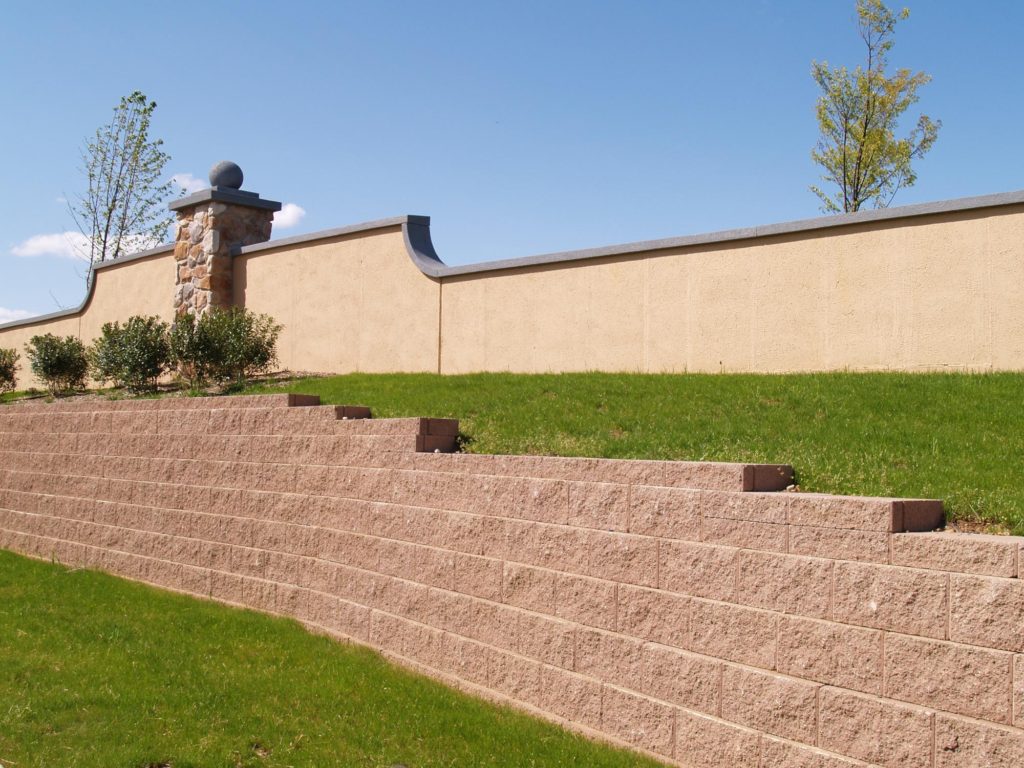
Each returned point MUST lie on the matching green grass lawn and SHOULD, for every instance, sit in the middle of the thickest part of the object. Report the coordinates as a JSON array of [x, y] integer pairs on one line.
[[958, 437], [99, 671]]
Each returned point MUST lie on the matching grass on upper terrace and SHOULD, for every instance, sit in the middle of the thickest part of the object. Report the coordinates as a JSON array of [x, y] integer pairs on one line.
[[99, 672], [958, 437]]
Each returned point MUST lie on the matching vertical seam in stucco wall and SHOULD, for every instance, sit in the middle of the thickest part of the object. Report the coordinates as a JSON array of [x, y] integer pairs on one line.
[[646, 309], [440, 313]]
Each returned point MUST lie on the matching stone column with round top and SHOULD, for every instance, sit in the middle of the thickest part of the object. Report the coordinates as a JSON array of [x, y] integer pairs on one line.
[[212, 224]]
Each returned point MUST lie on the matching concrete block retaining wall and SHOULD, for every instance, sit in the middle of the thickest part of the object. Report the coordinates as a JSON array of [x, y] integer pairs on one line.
[[689, 610]]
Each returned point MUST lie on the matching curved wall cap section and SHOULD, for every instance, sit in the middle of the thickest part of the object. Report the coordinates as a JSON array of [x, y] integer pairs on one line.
[[421, 250], [158, 251]]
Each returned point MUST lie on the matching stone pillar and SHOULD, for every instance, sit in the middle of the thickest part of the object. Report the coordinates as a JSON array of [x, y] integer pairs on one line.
[[212, 224]]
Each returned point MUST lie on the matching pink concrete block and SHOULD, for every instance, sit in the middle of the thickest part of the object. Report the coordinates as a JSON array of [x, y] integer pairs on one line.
[[839, 543], [672, 513], [637, 720], [900, 599], [746, 534], [874, 730], [604, 506], [987, 611], [705, 742], [962, 743], [776, 753], [651, 614], [783, 706], [956, 678], [701, 570], [745, 635], [587, 601], [784, 583], [957, 552], [837, 654]]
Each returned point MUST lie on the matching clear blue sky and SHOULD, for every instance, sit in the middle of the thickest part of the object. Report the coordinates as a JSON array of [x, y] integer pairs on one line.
[[520, 127]]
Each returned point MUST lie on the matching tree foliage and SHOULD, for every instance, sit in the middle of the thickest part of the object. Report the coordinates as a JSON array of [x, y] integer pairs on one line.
[[858, 115], [134, 355], [60, 363], [8, 369], [123, 208]]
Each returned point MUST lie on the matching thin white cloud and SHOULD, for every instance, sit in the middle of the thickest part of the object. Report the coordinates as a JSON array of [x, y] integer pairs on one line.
[[10, 315], [188, 182], [75, 245], [65, 245], [289, 216]]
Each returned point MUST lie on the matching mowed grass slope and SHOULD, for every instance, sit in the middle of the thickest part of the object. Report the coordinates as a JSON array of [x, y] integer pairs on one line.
[[958, 437], [100, 672]]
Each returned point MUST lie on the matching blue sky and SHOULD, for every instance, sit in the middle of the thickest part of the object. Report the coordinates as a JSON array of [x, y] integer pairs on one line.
[[520, 127]]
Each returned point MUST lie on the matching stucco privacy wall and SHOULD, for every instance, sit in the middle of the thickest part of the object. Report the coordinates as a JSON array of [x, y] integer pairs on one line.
[[680, 608], [930, 287], [136, 285]]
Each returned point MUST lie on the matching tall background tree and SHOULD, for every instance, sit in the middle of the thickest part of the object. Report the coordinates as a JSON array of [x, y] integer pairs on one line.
[[858, 116], [123, 209]]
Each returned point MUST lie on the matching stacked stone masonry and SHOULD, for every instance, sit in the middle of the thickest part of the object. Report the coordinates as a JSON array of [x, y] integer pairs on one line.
[[204, 240], [688, 610]]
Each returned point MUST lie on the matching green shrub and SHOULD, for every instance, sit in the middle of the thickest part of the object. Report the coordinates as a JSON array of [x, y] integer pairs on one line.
[[226, 346], [60, 363], [8, 369], [133, 356], [187, 353]]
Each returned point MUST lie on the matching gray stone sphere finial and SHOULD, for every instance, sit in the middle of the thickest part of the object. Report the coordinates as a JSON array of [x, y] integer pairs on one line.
[[226, 174]]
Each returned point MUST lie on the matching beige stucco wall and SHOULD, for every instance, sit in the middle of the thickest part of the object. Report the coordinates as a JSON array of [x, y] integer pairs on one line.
[[935, 292], [143, 286], [354, 302], [938, 291]]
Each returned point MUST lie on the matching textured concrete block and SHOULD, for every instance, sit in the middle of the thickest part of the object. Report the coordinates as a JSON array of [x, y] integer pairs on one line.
[[591, 602], [607, 656], [776, 753], [637, 720], [753, 507], [465, 659], [531, 588], [731, 632], [874, 730], [864, 514], [548, 640], [837, 654], [961, 743], [957, 552], [704, 742], [784, 583], [654, 615], [679, 677], [839, 543], [671, 513], [479, 576], [900, 599], [701, 570], [1018, 692], [779, 705], [558, 547], [624, 558], [746, 534], [987, 611], [956, 678], [514, 676], [604, 506], [573, 697]]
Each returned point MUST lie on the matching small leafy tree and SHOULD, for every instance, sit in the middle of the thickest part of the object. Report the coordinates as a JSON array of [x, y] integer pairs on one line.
[[134, 355], [858, 114], [60, 363], [8, 369], [122, 209]]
